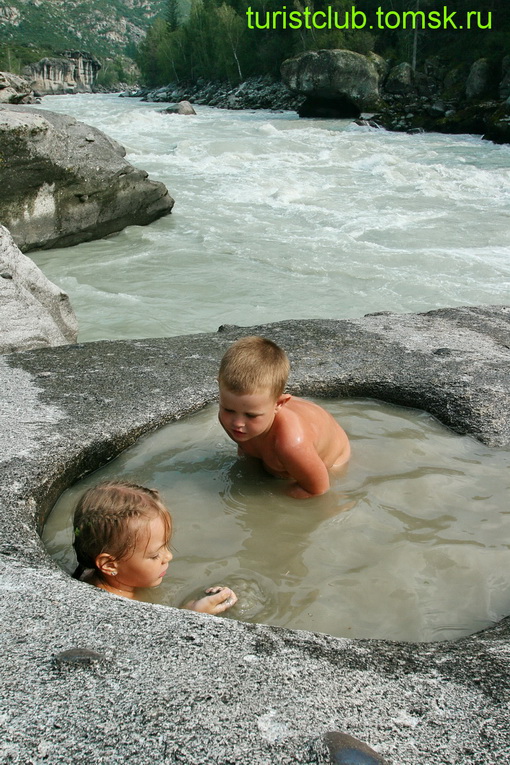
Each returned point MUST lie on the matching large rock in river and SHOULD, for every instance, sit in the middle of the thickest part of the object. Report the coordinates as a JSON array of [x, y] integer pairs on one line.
[[64, 182], [34, 312], [336, 83], [183, 107]]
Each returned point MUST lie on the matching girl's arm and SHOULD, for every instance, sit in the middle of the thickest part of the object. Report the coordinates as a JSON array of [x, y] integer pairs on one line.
[[215, 602]]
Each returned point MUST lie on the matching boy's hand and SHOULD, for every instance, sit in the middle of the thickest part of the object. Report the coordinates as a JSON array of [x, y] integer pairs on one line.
[[215, 602], [297, 492]]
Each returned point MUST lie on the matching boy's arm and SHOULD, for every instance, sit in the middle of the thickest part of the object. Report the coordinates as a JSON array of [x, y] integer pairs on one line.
[[305, 467]]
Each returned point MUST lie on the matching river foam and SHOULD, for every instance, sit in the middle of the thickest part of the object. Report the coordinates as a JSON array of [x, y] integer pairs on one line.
[[277, 217]]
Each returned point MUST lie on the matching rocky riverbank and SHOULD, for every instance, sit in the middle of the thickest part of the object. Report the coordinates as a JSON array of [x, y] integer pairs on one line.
[[464, 100], [253, 93], [472, 99]]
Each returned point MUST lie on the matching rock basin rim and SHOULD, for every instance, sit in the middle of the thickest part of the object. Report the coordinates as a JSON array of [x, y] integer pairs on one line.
[[70, 409]]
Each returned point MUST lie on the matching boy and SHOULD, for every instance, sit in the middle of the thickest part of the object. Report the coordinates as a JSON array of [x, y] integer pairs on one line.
[[294, 438]]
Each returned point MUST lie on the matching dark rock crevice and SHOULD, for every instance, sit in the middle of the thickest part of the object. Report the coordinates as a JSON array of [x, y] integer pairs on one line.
[[330, 108]]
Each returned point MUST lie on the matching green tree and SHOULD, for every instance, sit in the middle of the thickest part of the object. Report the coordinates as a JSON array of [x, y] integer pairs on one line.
[[213, 41], [150, 52], [198, 36], [232, 29], [9, 61], [172, 15]]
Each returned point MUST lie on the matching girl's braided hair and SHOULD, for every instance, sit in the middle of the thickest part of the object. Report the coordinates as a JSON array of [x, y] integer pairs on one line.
[[101, 520]]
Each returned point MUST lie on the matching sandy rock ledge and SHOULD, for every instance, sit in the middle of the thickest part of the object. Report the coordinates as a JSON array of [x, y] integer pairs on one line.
[[161, 685]]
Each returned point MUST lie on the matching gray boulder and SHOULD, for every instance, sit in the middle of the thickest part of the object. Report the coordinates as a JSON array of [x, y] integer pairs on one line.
[[15, 90], [183, 107], [454, 84], [479, 81], [64, 182], [380, 64], [504, 85], [34, 312], [338, 81], [400, 79]]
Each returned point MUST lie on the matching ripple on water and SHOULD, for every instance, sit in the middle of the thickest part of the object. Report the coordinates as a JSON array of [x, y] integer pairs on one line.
[[412, 543]]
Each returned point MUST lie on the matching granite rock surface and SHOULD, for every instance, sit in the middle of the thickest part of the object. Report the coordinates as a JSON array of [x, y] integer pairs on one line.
[[34, 312], [65, 182], [90, 677], [16, 90]]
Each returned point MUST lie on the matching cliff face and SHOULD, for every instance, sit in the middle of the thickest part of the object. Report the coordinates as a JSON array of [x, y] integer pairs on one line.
[[74, 72], [104, 27]]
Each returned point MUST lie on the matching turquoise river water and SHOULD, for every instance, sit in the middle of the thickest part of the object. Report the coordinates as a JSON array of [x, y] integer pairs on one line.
[[280, 218]]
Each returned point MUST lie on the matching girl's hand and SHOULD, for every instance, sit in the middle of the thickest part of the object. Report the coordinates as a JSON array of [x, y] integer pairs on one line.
[[217, 600]]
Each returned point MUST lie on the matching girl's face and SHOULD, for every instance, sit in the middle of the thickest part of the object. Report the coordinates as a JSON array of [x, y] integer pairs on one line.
[[147, 564]]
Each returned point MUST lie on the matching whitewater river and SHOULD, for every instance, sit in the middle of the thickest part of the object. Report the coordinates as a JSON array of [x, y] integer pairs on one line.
[[279, 218]]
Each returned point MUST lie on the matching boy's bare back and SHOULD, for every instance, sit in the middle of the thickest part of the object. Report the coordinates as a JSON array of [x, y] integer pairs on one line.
[[294, 438], [303, 444]]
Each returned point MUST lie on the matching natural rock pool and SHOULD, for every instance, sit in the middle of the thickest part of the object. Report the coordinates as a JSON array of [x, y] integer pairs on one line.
[[202, 689], [411, 543]]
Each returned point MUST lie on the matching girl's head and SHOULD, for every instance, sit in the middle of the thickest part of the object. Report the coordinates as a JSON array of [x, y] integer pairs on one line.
[[122, 530]]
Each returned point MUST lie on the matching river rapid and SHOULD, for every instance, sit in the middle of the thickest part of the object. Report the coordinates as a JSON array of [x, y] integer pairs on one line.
[[279, 218]]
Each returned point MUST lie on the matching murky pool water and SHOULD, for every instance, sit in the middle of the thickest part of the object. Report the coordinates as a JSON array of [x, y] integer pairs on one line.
[[412, 543]]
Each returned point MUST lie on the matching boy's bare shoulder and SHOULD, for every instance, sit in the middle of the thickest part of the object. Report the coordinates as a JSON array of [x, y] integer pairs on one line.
[[295, 423], [307, 412], [307, 426]]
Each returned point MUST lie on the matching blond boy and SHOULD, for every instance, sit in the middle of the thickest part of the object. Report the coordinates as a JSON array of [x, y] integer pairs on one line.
[[294, 438]]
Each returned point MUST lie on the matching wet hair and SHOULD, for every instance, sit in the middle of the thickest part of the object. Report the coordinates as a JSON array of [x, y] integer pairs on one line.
[[102, 521], [252, 363]]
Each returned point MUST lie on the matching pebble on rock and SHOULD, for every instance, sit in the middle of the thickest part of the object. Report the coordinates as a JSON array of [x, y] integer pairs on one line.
[[347, 750], [79, 656]]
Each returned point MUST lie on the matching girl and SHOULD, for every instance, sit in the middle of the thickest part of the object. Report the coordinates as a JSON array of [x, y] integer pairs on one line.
[[121, 537]]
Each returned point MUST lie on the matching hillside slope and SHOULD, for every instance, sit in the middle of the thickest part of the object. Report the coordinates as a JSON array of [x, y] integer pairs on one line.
[[102, 27]]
